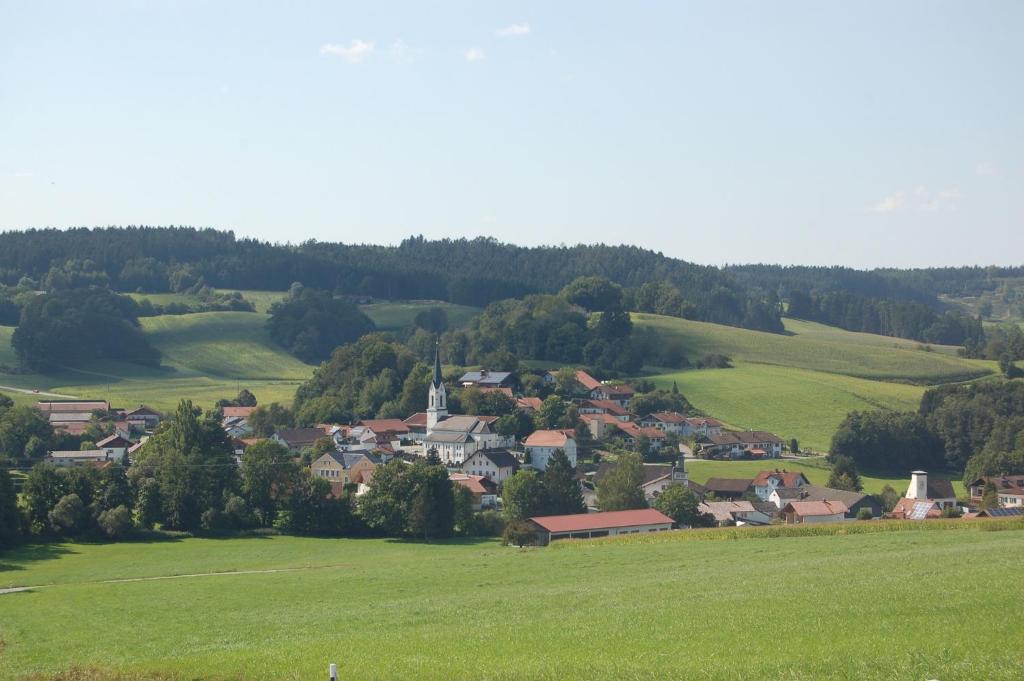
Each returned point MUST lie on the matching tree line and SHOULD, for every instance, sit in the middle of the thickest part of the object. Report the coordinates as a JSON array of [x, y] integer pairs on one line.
[[977, 429]]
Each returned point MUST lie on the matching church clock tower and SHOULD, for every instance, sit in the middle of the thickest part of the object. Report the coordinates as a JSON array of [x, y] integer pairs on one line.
[[437, 402]]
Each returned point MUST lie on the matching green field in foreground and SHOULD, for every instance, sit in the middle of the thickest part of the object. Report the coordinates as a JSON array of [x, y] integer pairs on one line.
[[895, 605], [206, 356]]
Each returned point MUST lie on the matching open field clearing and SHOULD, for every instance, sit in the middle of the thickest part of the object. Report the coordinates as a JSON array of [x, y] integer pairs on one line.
[[807, 405], [207, 356], [860, 606], [823, 348]]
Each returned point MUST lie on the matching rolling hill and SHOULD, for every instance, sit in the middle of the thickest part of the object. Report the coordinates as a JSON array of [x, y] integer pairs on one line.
[[802, 384]]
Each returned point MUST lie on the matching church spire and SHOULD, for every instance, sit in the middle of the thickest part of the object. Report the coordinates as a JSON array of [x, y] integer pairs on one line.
[[437, 364]]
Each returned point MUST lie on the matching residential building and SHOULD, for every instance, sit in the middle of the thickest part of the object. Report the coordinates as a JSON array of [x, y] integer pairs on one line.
[[346, 467], [1009, 489], [803, 512], [620, 394], [666, 421], [483, 491], [488, 379], [701, 426], [529, 404], [740, 444], [767, 482], [630, 432], [541, 445], [115, 447], [657, 478], [734, 513], [143, 417], [497, 465], [925, 498], [601, 524], [587, 383], [457, 437], [603, 407]]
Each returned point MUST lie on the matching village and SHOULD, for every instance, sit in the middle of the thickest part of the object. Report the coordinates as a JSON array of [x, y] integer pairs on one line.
[[481, 460]]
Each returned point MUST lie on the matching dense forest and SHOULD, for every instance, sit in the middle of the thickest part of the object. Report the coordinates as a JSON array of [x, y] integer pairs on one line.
[[976, 428]]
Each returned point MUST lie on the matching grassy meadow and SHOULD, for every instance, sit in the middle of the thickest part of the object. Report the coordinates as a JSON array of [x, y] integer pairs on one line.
[[392, 316], [890, 605], [803, 383]]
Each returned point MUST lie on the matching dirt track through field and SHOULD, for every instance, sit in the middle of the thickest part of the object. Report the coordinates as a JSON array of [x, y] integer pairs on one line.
[[126, 580]]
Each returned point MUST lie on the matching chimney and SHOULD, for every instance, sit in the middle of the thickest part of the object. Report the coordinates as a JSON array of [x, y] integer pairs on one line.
[[918, 485]]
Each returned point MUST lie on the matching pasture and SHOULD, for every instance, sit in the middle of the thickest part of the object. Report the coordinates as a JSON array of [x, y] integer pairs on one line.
[[392, 316], [860, 606]]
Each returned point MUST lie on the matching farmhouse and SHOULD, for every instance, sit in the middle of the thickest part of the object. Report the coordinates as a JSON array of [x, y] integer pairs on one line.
[[587, 383], [71, 416], [497, 465], [297, 439], [620, 394], [614, 409], [1009, 489], [728, 488], [854, 501], [115, 447], [631, 432], [701, 426], [388, 429], [800, 512], [346, 467], [590, 525], [541, 445], [767, 482], [735, 513], [143, 417]]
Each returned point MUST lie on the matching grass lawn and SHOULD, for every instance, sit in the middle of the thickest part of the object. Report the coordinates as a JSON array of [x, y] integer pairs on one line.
[[207, 356], [815, 468], [817, 347], [899, 605]]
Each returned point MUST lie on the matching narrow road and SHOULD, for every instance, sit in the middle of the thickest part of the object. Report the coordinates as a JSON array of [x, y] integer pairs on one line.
[[36, 392]]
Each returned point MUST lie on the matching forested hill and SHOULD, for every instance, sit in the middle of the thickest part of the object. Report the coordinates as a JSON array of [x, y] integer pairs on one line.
[[472, 272]]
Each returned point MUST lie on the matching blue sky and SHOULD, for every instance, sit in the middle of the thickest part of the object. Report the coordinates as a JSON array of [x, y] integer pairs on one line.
[[856, 133]]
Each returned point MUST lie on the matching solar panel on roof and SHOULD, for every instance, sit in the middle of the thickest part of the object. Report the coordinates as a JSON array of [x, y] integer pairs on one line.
[[920, 511], [1003, 512]]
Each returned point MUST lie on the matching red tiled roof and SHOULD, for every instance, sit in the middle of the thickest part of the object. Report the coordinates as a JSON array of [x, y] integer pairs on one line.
[[385, 425], [233, 412], [529, 403], [72, 406], [417, 419], [607, 418], [547, 438], [787, 478], [633, 430], [608, 405], [668, 416], [618, 389], [813, 508], [114, 441], [582, 522], [586, 380], [477, 484]]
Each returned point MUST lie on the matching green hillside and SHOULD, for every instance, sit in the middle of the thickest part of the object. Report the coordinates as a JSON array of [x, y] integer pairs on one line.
[[207, 356], [391, 316], [285, 607], [803, 384]]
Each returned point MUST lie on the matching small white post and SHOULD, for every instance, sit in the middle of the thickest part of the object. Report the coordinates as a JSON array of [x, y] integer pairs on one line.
[[333, 671]]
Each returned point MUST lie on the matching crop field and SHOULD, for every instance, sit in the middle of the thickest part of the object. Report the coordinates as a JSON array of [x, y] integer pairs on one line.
[[856, 606], [815, 468], [207, 356]]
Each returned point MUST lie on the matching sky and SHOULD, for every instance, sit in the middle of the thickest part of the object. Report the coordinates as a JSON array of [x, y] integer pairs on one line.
[[866, 134]]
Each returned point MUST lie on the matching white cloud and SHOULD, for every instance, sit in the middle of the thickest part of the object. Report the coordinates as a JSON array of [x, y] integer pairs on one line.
[[474, 54], [919, 199], [24, 173], [513, 31], [353, 54], [986, 169], [891, 203]]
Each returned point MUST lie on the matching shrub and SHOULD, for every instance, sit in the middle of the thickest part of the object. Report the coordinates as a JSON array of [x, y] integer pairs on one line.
[[68, 515], [486, 524], [116, 523], [238, 514], [864, 514], [519, 532]]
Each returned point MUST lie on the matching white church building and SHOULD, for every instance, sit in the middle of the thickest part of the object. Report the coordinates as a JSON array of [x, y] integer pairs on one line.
[[456, 438]]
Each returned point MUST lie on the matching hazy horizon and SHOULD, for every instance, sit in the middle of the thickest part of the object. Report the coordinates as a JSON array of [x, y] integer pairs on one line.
[[868, 135]]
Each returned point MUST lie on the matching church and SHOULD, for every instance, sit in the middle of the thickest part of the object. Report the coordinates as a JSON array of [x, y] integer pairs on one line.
[[453, 438]]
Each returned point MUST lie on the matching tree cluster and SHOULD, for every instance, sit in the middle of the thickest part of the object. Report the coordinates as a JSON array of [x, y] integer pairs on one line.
[[310, 324]]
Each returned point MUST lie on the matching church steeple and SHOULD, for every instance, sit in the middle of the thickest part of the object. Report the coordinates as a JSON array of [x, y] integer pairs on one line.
[[437, 404]]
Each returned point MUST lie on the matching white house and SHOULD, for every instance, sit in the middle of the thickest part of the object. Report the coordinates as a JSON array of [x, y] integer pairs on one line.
[[497, 465], [542, 445], [115, 447], [767, 482], [666, 421]]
